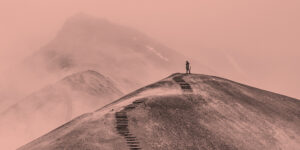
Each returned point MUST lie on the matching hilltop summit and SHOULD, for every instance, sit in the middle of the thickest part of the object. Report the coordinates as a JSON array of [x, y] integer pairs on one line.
[[184, 112]]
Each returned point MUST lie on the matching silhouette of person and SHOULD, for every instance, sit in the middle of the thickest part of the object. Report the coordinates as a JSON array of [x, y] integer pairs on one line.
[[188, 67]]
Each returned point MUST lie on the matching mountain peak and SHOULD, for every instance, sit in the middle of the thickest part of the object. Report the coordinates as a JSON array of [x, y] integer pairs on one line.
[[84, 18], [90, 81], [84, 74], [86, 42]]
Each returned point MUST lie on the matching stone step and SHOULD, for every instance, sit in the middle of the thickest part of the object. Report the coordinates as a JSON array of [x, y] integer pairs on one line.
[[138, 101], [134, 145], [129, 107], [123, 134], [135, 148], [123, 131], [122, 127], [130, 137], [121, 112], [133, 142], [127, 134], [122, 119], [184, 84], [178, 80], [121, 115], [186, 87], [122, 124]]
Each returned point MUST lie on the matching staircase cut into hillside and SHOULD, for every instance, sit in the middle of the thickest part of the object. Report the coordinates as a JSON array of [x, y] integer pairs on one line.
[[122, 126], [186, 87]]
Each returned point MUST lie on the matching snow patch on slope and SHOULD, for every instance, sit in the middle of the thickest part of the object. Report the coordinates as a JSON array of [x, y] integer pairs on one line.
[[156, 53]]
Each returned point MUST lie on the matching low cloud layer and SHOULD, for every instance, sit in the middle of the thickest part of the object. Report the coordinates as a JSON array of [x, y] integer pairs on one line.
[[261, 35]]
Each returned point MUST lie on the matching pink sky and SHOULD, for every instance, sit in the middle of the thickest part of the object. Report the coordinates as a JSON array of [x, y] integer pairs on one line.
[[250, 41]]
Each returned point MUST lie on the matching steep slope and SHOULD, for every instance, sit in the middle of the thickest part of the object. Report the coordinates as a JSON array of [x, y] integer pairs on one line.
[[54, 105], [184, 112]]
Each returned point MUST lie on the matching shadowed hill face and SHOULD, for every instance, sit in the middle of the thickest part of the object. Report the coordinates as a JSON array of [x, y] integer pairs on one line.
[[54, 105], [185, 112]]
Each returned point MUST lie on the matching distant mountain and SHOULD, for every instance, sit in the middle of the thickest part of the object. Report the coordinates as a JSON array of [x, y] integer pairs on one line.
[[122, 53], [54, 105], [128, 57], [184, 112]]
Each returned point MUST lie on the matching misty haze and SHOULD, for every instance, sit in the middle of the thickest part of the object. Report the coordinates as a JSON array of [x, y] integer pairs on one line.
[[149, 75]]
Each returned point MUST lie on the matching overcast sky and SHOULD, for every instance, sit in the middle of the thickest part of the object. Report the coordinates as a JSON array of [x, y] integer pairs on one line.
[[250, 41]]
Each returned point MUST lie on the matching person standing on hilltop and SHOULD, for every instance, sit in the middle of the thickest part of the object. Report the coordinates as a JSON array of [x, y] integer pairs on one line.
[[188, 67]]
